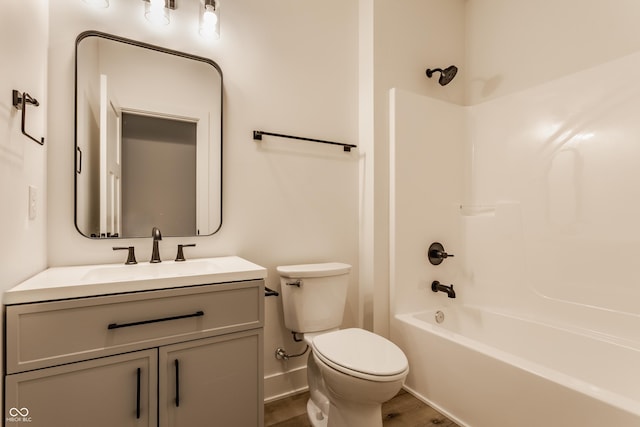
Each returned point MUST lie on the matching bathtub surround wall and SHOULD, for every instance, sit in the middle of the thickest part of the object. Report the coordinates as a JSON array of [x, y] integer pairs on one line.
[[528, 233], [427, 181], [573, 145], [551, 158], [561, 121]]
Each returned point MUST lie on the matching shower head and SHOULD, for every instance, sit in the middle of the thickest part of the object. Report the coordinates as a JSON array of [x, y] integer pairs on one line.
[[446, 75]]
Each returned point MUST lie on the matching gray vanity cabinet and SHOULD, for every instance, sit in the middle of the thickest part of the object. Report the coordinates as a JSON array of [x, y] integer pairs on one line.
[[211, 382], [111, 391], [178, 357]]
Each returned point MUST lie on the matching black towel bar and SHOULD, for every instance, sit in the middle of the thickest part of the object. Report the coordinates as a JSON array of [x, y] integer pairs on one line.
[[257, 135]]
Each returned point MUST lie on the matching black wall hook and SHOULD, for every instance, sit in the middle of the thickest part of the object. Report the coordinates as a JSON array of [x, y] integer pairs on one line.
[[20, 101]]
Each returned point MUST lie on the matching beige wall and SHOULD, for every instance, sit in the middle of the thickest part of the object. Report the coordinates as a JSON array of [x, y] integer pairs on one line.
[[516, 44], [22, 161]]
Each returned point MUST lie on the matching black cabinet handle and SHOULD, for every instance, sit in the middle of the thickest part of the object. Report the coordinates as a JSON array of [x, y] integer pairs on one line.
[[177, 363], [138, 396], [145, 322], [78, 160]]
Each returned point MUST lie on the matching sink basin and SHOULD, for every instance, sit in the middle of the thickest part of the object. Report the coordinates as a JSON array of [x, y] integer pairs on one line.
[[144, 271], [90, 280]]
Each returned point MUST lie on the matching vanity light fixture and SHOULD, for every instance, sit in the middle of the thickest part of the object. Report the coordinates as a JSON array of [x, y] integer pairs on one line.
[[210, 19], [157, 11], [98, 3]]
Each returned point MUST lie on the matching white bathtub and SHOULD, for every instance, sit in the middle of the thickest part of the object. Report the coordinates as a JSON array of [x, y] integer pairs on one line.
[[484, 368]]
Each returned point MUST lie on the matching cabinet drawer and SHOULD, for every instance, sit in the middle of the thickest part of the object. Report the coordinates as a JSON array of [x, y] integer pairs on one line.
[[51, 333]]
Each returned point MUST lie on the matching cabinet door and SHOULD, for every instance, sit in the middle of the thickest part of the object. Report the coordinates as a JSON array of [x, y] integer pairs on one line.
[[112, 391], [212, 382]]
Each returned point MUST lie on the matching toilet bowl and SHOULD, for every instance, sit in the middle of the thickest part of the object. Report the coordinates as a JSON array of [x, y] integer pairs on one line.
[[350, 372], [360, 371]]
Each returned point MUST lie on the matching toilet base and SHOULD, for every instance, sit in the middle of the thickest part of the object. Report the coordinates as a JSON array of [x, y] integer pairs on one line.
[[317, 418], [347, 414]]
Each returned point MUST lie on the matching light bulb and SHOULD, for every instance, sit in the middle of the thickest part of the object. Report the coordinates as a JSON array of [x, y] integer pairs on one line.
[[209, 16], [156, 12], [209, 20]]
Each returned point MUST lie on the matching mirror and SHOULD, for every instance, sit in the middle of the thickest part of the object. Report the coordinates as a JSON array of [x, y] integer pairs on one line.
[[148, 140]]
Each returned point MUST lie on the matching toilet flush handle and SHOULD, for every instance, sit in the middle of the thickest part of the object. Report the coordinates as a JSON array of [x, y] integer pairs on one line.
[[295, 283]]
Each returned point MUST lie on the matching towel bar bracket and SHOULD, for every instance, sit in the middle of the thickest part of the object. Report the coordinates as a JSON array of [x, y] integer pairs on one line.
[[268, 292]]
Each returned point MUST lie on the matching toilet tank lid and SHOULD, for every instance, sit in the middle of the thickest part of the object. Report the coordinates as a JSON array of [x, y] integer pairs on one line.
[[314, 270]]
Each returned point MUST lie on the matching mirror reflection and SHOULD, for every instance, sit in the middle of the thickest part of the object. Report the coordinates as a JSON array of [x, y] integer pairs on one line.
[[148, 140]]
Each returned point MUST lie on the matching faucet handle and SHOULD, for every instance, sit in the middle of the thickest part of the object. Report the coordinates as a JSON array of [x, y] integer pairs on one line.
[[436, 253], [180, 254], [131, 257]]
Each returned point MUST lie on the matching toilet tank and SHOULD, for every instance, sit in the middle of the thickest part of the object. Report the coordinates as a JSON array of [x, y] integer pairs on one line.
[[314, 295]]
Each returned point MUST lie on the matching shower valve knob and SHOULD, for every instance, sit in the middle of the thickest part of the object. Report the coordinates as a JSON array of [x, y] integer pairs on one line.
[[437, 253]]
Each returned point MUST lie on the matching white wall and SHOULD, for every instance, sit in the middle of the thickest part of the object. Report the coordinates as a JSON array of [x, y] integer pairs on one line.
[[22, 161], [288, 67]]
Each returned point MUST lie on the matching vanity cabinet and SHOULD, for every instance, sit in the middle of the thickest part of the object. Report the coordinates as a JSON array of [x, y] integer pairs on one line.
[[211, 382], [182, 357], [111, 391]]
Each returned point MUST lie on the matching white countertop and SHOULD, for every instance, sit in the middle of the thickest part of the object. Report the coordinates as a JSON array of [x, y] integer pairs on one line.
[[89, 280]]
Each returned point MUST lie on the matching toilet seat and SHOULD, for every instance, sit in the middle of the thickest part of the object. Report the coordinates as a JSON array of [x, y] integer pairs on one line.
[[361, 354]]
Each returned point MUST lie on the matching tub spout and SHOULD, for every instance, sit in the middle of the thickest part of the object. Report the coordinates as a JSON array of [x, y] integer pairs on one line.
[[439, 287]]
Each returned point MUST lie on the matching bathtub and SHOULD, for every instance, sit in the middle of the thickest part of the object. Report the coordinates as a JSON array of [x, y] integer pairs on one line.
[[486, 368]]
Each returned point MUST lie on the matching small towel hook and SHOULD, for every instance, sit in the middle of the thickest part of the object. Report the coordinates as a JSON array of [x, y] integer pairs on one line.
[[20, 101]]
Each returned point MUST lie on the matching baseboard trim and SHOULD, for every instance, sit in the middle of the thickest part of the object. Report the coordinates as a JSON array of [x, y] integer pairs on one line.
[[284, 384]]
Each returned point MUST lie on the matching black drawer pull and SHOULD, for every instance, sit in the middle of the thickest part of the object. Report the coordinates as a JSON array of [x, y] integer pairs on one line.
[[164, 319], [138, 395], [177, 364]]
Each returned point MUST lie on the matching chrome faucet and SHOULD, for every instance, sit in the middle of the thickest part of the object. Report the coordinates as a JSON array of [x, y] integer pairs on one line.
[[439, 287], [155, 253]]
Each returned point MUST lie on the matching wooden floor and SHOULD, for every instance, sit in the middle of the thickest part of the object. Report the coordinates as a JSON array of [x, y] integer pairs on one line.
[[404, 410]]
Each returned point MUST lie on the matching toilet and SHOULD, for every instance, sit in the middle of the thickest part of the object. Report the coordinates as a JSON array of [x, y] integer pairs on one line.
[[350, 372]]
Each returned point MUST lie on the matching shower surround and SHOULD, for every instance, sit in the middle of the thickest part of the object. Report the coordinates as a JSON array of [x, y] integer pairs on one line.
[[537, 195]]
